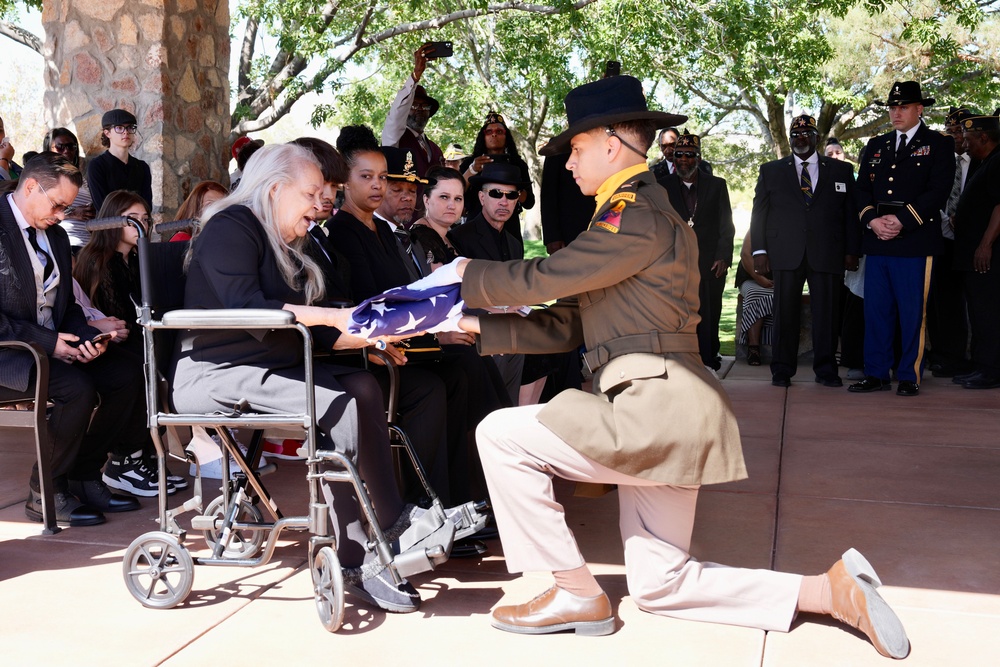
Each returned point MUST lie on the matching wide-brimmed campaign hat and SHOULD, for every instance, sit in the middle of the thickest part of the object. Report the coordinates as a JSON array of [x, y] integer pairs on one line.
[[905, 92], [498, 172], [400, 165], [605, 102]]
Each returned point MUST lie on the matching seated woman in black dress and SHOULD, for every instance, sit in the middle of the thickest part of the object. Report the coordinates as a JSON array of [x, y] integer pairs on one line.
[[249, 254], [444, 200]]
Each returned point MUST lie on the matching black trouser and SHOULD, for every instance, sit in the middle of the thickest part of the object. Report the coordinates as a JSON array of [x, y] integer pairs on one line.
[[947, 322], [710, 309], [824, 303], [981, 291], [119, 425]]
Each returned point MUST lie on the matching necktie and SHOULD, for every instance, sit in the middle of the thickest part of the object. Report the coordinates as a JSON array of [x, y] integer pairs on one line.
[[43, 256], [956, 192], [806, 183], [902, 146], [406, 244], [320, 237]]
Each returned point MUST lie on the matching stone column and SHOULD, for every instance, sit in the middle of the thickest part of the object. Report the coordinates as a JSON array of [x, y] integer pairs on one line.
[[166, 61]]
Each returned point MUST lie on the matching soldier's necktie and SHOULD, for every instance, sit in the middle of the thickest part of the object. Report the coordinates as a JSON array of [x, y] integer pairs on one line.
[[806, 183], [43, 256], [901, 147]]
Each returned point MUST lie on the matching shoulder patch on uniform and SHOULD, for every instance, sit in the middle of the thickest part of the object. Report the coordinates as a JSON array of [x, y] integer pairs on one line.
[[611, 220], [623, 196]]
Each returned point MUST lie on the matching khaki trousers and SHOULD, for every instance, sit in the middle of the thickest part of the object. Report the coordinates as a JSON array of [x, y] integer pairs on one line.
[[520, 456]]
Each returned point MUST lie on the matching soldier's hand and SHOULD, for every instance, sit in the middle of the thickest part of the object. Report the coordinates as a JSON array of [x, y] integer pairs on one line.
[[551, 248], [851, 262], [761, 264]]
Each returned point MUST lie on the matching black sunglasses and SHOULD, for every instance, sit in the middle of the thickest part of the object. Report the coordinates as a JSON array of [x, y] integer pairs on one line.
[[500, 194], [684, 154]]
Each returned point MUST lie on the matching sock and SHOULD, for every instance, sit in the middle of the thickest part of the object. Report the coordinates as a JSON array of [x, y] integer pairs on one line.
[[815, 595], [578, 581]]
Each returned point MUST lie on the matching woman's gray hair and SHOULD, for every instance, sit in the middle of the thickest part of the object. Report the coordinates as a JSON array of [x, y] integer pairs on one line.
[[270, 169]]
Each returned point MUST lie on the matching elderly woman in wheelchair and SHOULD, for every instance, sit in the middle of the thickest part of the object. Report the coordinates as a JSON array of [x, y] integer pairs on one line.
[[249, 255]]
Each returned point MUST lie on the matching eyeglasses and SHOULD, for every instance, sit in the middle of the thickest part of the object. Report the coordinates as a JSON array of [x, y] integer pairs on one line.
[[59, 148], [495, 132], [680, 155], [56, 208], [122, 129], [499, 194], [800, 133], [420, 107]]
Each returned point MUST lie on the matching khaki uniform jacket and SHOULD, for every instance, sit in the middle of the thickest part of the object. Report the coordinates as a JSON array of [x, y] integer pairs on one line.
[[660, 415]]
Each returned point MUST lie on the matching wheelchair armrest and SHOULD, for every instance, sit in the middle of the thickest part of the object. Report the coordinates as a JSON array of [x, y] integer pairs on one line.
[[247, 318]]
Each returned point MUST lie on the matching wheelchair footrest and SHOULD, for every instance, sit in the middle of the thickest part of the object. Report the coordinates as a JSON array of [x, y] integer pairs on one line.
[[427, 555]]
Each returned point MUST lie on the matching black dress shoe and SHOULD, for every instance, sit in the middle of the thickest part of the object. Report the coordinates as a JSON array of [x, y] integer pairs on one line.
[[781, 381], [870, 383], [907, 388], [982, 381], [965, 377], [69, 511], [830, 382], [96, 493]]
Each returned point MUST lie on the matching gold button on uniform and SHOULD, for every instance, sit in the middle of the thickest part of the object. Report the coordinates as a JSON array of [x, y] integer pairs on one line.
[[889, 192], [890, 179]]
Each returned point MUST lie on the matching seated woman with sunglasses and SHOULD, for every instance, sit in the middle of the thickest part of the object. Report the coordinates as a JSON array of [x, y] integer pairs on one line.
[[115, 169]]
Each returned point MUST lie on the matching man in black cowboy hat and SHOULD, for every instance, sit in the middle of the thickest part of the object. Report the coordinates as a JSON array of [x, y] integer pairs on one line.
[[408, 116], [977, 225], [495, 143], [703, 201], [658, 424], [497, 188], [903, 184], [947, 323], [804, 228]]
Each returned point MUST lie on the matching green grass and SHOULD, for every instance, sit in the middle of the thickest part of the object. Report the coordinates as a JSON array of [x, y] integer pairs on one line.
[[727, 323]]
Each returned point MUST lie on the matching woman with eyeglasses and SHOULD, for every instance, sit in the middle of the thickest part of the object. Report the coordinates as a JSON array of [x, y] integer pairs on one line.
[[62, 141], [115, 169], [495, 143]]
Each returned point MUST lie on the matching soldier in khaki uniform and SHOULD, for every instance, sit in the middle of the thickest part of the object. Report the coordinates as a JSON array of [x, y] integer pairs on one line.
[[658, 425]]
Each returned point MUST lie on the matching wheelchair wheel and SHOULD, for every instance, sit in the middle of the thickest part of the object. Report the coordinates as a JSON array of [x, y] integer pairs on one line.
[[328, 586], [158, 571], [242, 544]]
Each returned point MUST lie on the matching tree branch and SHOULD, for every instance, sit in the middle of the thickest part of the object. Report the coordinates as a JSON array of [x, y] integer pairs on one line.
[[21, 36]]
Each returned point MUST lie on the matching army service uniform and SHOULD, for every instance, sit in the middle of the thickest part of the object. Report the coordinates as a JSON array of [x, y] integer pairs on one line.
[[658, 423]]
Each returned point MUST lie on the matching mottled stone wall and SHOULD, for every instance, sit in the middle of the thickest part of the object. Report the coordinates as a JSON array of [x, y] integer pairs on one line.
[[166, 61]]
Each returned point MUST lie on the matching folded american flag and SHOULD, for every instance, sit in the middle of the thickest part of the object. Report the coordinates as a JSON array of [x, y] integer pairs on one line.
[[433, 304]]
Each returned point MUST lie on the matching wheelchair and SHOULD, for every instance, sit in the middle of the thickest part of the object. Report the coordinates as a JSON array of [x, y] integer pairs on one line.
[[243, 524]]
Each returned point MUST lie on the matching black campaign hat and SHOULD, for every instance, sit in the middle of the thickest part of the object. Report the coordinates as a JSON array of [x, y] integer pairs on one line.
[[905, 92], [400, 165], [498, 172], [605, 102]]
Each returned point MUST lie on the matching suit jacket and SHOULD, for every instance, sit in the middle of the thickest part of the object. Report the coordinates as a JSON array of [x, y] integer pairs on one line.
[[18, 293], [789, 229], [920, 180], [633, 272], [374, 257], [712, 217], [476, 240]]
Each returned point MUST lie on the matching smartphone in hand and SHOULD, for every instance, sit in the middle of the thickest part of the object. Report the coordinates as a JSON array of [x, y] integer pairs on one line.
[[101, 337], [441, 50]]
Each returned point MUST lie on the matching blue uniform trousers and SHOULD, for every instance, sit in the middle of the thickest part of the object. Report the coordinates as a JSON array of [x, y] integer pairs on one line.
[[896, 290]]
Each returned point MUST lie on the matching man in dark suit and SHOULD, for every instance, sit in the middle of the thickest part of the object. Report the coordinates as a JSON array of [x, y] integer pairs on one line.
[[903, 184], [702, 200], [803, 228], [37, 305], [498, 187]]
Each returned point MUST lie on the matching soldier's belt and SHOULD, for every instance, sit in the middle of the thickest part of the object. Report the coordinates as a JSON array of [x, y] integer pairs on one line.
[[654, 343]]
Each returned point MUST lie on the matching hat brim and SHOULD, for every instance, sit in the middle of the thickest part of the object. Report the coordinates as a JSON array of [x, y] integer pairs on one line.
[[560, 143], [927, 102], [406, 178]]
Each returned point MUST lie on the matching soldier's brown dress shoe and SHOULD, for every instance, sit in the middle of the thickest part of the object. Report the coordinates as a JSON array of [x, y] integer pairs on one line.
[[856, 602], [556, 610]]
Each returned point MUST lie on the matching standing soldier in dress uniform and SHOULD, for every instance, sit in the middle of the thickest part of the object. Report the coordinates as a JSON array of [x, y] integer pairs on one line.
[[658, 423], [903, 184]]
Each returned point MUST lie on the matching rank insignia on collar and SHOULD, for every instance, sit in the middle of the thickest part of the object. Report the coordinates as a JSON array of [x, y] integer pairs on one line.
[[611, 220]]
